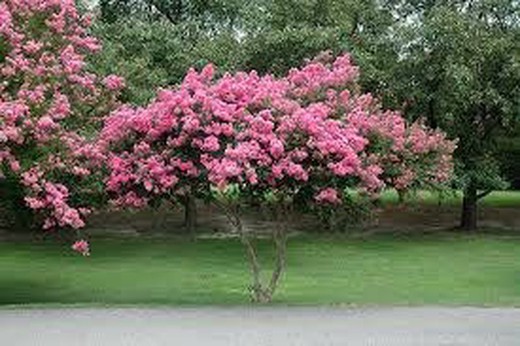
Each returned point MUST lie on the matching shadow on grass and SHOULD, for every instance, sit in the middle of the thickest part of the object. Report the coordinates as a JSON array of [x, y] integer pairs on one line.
[[27, 291]]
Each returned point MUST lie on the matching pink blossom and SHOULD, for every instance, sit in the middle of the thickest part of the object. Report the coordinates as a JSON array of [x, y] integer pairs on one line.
[[276, 148], [210, 143], [72, 217], [72, 61], [33, 46], [113, 82], [311, 129], [328, 196], [15, 166], [44, 67], [82, 246], [35, 203], [46, 123]]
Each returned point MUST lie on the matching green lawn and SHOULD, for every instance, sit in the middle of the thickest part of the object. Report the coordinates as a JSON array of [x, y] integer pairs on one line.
[[494, 199], [442, 269]]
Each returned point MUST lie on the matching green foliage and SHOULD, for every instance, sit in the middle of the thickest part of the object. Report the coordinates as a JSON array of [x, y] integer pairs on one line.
[[128, 50], [279, 50], [461, 70], [363, 28], [3, 49], [13, 211], [509, 159], [158, 54], [212, 14], [151, 50], [228, 196], [356, 210]]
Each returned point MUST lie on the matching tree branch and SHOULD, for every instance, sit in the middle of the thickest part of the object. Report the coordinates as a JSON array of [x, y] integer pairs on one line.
[[484, 194], [280, 240], [165, 12]]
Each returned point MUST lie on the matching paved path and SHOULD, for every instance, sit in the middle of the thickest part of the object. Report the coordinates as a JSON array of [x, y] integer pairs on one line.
[[261, 326]]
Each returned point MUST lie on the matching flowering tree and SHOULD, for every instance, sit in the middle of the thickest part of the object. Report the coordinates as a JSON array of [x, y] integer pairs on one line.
[[245, 138], [49, 108]]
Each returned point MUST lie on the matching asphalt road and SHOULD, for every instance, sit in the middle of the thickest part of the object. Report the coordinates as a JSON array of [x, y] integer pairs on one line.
[[261, 326]]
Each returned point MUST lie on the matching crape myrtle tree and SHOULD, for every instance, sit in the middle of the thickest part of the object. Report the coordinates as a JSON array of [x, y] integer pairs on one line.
[[245, 139], [50, 106], [153, 43]]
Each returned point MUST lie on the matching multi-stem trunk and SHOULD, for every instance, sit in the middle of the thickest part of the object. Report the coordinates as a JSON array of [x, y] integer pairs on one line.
[[260, 292]]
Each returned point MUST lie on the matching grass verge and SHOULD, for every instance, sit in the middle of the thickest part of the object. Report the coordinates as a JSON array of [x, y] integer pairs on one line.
[[441, 269], [453, 198]]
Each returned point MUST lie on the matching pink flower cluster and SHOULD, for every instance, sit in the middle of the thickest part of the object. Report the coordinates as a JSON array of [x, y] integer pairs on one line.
[[82, 246], [45, 94], [113, 82], [307, 129], [310, 130], [328, 196], [51, 199]]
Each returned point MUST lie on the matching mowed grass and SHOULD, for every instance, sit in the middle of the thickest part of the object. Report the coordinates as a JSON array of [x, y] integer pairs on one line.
[[446, 269], [454, 198]]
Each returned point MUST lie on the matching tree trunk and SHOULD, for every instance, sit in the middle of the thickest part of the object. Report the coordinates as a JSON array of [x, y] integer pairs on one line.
[[190, 215], [330, 222], [280, 241], [260, 293], [468, 219], [401, 197], [159, 219]]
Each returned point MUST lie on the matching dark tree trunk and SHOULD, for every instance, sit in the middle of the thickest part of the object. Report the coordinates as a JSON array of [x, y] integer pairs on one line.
[[468, 219], [401, 197], [190, 215]]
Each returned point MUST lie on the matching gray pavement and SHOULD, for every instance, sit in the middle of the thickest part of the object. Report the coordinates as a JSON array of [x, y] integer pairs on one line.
[[261, 326]]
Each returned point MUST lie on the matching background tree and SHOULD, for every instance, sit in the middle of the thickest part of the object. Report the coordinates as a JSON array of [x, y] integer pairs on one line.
[[267, 36], [460, 68]]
